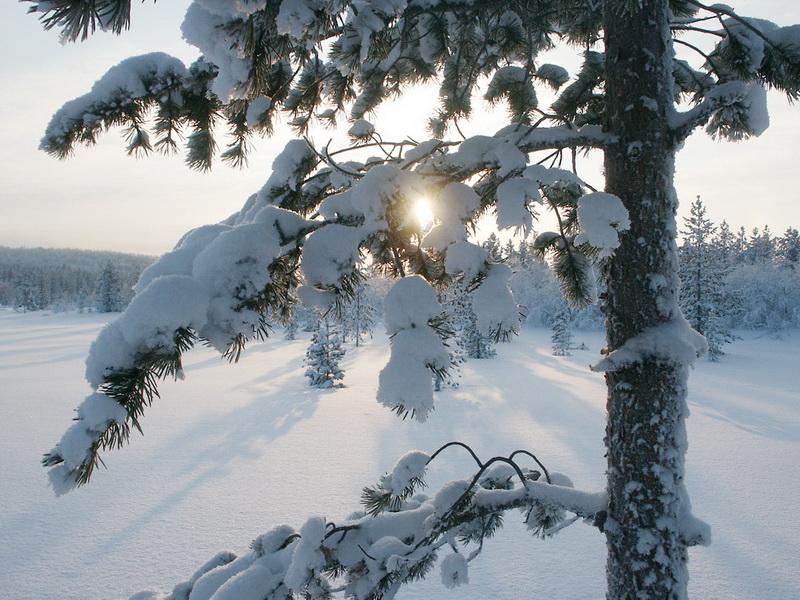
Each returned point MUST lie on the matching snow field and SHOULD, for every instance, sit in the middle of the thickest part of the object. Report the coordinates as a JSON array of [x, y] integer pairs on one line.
[[237, 449]]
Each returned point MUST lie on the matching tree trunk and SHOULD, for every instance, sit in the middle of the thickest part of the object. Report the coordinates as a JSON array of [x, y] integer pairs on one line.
[[645, 434]]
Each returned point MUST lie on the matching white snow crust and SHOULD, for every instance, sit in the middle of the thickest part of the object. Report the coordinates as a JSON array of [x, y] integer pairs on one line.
[[189, 487]]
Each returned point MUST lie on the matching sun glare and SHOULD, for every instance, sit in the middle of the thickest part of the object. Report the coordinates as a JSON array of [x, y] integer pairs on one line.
[[422, 210]]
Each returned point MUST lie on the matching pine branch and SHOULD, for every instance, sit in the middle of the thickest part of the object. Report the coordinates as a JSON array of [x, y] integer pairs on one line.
[[80, 18]]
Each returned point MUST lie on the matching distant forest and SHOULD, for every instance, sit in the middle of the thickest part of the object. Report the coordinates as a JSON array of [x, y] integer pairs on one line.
[[67, 279], [730, 279]]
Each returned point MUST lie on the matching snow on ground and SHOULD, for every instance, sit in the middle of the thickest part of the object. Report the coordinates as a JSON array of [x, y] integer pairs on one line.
[[236, 449]]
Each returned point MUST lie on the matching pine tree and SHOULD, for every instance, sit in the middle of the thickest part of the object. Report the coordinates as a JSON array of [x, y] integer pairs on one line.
[[28, 292], [760, 248], [789, 248], [359, 313], [562, 332], [470, 340], [107, 290], [324, 59], [323, 356], [493, 247], [290, 332], [703, 270], [725, 244], [740, 245]]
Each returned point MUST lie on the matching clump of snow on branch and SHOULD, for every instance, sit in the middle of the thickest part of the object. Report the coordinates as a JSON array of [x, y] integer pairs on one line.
[[406, 383], [551, 175], [295, 17], [466, 258], [256, 110], [179, 261], [284, 166], [755, 103], [455, 571], [233, 267], [453, 206], [748, 34], [601, 217], [513, 199], [330, 253], [494, 305], [479, 150], [203, 27], [361, 129], [410, 467], [308, 558]]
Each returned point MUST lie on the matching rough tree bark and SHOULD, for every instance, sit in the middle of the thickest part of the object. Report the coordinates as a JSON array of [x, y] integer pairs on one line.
[[645, 435]]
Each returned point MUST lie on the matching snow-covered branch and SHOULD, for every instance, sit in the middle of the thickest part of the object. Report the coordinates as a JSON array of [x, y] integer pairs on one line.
[[224, 284], [727, 94], [398, 539]]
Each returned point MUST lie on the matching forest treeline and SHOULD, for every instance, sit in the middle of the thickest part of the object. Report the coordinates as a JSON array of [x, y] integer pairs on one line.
[[68, 279], [731, 279]]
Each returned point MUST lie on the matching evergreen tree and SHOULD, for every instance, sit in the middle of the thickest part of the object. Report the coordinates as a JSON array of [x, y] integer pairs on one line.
[[470, 340], [290, 332], [789, 248], [740, 245], [323, 357], [493, 247], [509, 253], [562, 332], [107, 290], [359, 313], [324, 59], [760, 247], [526, 256], [725, 244], [28, 294], [703, 271]]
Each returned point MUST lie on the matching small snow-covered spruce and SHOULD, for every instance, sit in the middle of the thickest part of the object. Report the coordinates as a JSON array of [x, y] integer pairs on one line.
[[400, 536], [323, 356], [562, 332], [290, 331], [318, 60], [461, 314]]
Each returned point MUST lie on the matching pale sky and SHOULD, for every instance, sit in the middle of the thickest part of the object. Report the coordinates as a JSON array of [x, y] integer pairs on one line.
[[102, 199]]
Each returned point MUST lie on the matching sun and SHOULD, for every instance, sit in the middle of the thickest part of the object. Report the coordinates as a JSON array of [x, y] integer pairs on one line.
[[423, 213]]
